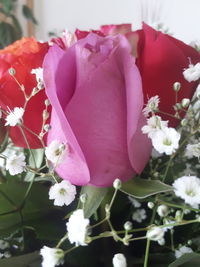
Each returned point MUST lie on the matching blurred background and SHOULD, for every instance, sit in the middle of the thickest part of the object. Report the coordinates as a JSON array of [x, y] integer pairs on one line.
[[180, 17]]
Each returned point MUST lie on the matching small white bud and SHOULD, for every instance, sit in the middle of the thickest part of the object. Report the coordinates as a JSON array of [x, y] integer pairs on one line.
[[183, 122], [150, 205], [128, 226], [45, 114], [161, 242], [117, 183], [185, 102], [119, 260], [34, 91], [12, 71], [155, 233], [162, 210], [40, 85], [47, 127], [178, 216], [47, 102], [176, 86], [83, 198], [107, 208]]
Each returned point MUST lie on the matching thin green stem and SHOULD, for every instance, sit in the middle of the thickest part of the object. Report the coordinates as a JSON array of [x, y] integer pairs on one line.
[[62, 240], [147, 253]]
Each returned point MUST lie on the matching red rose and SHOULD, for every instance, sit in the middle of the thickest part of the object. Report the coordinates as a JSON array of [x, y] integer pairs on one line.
[[161, 61], [23, 56]]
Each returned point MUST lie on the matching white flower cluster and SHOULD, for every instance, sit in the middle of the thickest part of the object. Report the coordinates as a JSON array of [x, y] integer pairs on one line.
[[164, 139], [52, 256], [193, 150], [77, 227], [15, 163]]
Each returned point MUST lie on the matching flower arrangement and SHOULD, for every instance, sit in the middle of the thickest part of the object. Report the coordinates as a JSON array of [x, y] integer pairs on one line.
[[100, 150]]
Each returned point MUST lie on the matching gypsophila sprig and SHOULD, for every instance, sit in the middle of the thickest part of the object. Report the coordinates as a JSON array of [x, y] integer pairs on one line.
[[52, 256], [63, 193], [77, 228]]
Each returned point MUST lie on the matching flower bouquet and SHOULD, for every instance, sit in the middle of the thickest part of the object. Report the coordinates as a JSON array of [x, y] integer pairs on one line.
[[100, 150]]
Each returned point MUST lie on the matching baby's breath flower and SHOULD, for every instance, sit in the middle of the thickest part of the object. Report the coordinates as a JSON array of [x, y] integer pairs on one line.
[[38, 74], [134, 202], [139, 215], [153, 125], [119, 260], [77, 227], [192, 73], [52, 256], [182, 250], [193, 150], [56, 152], [14, 117], [151, 106], [15, 163], [188, 188], [166, 140], [63, 193]]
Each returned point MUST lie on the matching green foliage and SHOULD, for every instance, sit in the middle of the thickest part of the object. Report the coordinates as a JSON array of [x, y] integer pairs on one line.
[[35, 212], [31, 260], [189, 259], [94, 197], [141, 188], [28, 14], [10, 28]]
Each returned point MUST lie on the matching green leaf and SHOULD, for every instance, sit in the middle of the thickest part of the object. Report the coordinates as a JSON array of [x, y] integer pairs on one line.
[[95, 195], [37, 211], [31, 260], [7, 6], [28, 14], [189, 259], [141, 188], [17, 25], [38, 156], [8, 34]]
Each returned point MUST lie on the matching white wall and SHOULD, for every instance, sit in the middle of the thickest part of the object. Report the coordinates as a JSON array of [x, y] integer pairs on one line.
[[181, 16]]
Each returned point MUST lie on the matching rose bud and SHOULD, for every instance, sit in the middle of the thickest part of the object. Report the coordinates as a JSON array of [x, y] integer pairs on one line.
[[96, 95]]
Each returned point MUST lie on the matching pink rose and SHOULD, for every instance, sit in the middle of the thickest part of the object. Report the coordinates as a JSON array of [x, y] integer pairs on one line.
[[95, 91]]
